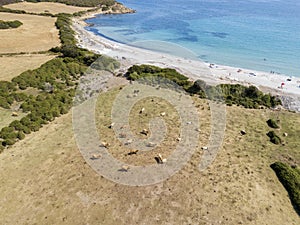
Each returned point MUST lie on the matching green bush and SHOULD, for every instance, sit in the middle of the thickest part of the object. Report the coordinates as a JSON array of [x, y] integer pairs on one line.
[[10, 24], [290, 179], [8, 142], [147, 72], [274, 138], [272, 123], [20, 135]]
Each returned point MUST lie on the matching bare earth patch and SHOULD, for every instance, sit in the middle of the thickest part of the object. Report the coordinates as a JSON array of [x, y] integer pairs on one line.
[[12, 66], [38, 33], [46, 7], [44, 179]]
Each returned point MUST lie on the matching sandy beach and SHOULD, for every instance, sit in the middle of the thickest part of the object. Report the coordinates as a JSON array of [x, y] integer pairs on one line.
[[287, 88]]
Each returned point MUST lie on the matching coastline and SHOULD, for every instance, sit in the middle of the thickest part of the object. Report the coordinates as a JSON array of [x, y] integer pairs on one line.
[[195, 69]]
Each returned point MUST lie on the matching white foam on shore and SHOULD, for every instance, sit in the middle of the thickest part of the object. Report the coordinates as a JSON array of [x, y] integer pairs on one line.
[[194, 69]]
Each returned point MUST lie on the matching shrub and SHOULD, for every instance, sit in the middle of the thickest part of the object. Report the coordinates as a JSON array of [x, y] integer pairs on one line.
[[10, 24], [140, 72], [8, 142], [20, 135], [290, 179], [271, 123], [274, 138]]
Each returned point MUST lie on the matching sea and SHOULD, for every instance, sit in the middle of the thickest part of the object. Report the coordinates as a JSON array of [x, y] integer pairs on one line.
[[260, 35]]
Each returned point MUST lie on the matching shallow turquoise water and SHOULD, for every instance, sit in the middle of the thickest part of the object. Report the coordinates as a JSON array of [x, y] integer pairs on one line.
[[257, 34]]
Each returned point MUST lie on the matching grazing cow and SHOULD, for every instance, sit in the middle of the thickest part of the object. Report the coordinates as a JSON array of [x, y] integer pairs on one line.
[[145, 132], [104, 144], [142, 110], [133, 152]]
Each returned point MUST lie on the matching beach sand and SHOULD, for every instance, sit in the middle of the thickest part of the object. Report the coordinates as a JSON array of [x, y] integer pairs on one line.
[[193, 68]]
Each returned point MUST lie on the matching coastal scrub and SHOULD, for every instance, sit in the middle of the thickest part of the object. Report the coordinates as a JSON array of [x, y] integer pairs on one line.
[[10, 24]]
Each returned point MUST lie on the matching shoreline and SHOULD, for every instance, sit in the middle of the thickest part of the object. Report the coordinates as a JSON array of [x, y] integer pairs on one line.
[[195, 69]]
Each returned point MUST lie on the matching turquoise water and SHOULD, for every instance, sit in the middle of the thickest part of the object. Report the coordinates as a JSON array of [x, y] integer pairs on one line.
[[254, 34]]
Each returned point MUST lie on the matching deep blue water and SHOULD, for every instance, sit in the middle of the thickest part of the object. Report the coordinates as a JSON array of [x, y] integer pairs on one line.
[[255, 34]]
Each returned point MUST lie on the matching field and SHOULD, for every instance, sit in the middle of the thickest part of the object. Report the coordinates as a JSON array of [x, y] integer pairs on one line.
[[12, 66], [45, 179], [46, 7], [38, 33]]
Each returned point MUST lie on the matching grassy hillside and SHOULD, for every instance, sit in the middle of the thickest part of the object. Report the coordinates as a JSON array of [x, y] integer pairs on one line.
[[58, 186], [45, 180]]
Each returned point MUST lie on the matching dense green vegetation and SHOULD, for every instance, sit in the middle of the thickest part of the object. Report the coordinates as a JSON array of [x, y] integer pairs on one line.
[[86, 3], [146, 72], [272, 123], [10, 24], [56, 80], [290, 179], [249, 97]]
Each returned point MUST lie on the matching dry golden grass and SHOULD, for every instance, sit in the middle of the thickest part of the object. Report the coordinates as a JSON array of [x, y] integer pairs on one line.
[[44, 179], [153, 107], [38, 33], [12, 66], [46, 7]]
